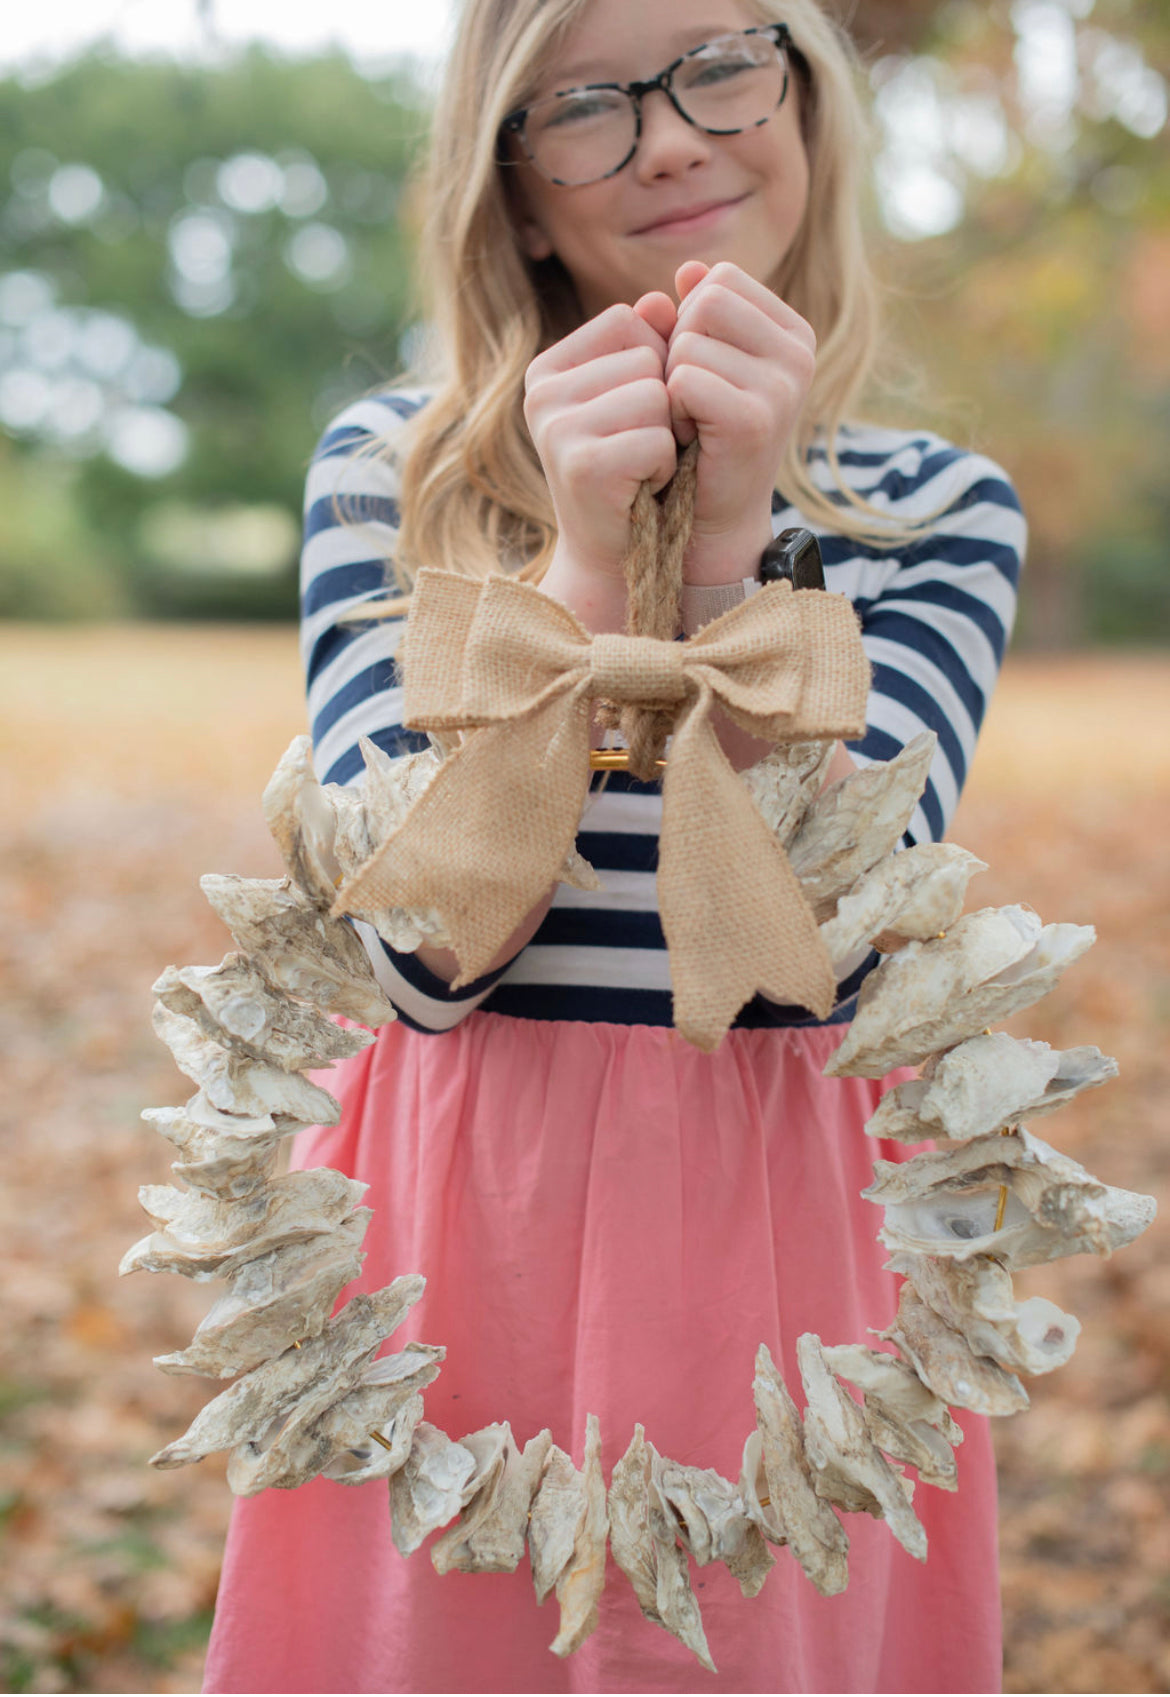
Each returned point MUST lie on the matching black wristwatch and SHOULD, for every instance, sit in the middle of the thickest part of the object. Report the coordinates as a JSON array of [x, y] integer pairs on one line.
[[795, 555]]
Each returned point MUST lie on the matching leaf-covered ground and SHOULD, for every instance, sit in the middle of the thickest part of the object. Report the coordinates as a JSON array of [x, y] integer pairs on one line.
[[132, 762]]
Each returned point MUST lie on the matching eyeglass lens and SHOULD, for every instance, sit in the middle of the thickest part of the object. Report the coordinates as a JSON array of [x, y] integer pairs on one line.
[[730, 84]]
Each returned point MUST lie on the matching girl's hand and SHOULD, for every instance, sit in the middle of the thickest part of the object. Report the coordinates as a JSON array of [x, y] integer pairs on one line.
[[600, 415], [739, 366]]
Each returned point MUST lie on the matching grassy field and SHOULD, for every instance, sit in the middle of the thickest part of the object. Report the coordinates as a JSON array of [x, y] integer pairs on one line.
[[133, 760]]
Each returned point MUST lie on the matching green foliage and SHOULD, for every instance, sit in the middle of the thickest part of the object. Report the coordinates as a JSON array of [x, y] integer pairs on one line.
[[267, 349], [1040, 319]]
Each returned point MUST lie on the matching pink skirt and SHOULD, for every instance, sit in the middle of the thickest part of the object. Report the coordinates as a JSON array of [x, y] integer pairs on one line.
[[609, 1223]]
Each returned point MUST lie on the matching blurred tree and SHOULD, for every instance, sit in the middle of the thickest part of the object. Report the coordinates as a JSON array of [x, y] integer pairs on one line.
[[197, 267], [1023, 171]]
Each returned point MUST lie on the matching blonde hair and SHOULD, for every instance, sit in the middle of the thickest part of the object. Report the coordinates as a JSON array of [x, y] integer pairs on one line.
[[474, 496]]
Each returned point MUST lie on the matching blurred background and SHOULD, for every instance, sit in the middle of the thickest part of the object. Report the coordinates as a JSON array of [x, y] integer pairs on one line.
[[206, 227]]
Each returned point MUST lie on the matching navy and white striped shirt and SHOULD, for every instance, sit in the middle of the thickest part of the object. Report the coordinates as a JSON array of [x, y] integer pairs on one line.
[[935, 615]]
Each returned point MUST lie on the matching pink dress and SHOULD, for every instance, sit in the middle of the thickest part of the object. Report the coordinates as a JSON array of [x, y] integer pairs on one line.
[[609, 1222]]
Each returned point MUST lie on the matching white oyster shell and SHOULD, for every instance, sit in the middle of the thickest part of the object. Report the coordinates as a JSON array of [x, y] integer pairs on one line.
[[905, 1420], [225, 1164], [714, 1525], [274, 1300], [946, 1363], [202, 1237], [370, 812], [850, 1470], [319, 959], [301, 1383], [931, 996], [945, 1203], [976, 1298], [813, 1533], [491, 1533], [302, 823], [300, 1445], [557, 1512], [912, 895], [236, 1083], [785, 783], [581, 1581], [429, 1488], [643, 1532], [364, 1459], [987, 1082], [236, 1006], [856, 822]]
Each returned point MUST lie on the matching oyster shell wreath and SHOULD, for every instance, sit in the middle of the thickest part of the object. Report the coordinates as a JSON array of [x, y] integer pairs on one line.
[[310, 1395]]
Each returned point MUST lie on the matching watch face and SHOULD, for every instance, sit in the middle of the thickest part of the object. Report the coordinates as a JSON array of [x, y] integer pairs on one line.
[[794, 555]]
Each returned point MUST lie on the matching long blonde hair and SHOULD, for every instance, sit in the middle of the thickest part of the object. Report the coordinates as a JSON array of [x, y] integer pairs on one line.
[[474, 496]]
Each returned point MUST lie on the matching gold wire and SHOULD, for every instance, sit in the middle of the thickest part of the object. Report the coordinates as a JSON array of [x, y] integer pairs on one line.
[[613, 760]]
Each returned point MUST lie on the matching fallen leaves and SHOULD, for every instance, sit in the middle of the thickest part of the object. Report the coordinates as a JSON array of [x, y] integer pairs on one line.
[[142, 768]]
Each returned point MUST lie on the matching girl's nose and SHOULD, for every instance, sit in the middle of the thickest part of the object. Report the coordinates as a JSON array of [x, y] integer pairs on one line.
[[668, 143]]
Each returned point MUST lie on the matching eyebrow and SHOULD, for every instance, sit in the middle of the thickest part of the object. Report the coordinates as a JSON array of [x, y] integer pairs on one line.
[[594, 69]]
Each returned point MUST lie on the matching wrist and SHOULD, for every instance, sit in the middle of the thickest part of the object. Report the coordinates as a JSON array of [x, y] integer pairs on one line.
[[729, 556], [596, 596]]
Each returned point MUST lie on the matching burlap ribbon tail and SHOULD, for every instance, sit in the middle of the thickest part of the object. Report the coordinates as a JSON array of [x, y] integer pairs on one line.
[[488, 838]]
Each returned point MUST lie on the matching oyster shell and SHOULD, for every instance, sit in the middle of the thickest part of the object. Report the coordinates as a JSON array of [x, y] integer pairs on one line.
[[987, 1082], [581, 1581], [490, 1536], [643, 1531], [946, 1363], [945, 1203], [236, 1006], [275, 1300], [429, 1488], [302, 1443], [235, 1083], [310, 1378], [931, 996], [204, 1238], [365, 1459], [714, 1524], [915, 894], [856, 822], [302, 823], [557, 1512], [907, 1421], [850, 1469], [754, 1492], [814, 1534], [976, 1298], [786, 782], [366, 814], [228, 1165], [319, 959]]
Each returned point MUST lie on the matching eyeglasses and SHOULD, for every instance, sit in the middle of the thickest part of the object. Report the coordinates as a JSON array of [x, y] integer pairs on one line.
[[582, 135]]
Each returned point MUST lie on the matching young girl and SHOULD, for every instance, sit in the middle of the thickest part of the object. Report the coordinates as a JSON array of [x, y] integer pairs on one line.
[[643, 229]]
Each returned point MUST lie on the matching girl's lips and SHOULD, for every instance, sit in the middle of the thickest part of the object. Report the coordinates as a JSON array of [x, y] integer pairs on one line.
[[687, 220]]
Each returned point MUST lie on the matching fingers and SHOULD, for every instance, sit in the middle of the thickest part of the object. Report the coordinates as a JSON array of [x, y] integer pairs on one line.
[[727, 302], [612, 331], [578, 384], [658, 311], [688, 276]]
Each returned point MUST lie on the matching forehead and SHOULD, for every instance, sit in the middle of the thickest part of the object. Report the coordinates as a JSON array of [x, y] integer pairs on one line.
[[626, 39]]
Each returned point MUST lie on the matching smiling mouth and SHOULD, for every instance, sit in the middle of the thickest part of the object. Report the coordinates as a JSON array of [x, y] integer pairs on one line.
[[689, 217]]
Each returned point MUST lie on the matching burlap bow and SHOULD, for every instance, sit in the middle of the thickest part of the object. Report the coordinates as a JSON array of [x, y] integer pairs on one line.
[[488, 838]]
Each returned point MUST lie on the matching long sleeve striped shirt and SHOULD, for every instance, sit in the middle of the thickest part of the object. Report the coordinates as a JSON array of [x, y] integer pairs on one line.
[[935, 615]]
